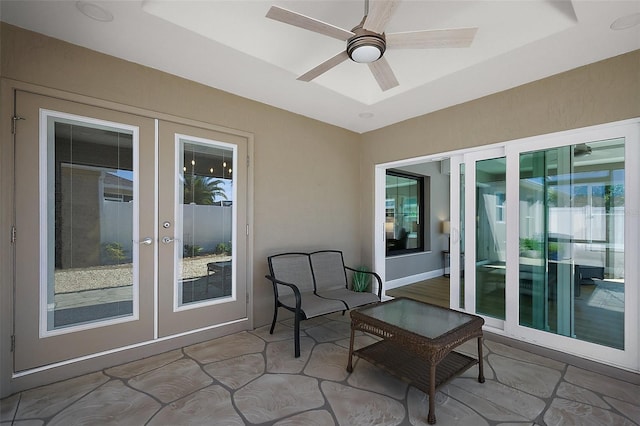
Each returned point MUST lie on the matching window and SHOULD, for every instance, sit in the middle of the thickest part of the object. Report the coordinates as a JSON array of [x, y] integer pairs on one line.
[[500, 199], [404, 213]]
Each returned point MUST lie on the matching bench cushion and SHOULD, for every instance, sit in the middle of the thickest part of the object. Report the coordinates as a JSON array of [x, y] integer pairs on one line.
[[328, 270], [313, 305], [352, 299], [331, 279], [292, 268]]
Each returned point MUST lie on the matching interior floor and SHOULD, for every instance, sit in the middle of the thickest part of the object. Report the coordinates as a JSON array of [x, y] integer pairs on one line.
[[435, 291], [598, 307]]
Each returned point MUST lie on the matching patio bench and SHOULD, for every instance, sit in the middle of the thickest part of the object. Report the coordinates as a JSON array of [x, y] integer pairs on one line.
[[314, 284]]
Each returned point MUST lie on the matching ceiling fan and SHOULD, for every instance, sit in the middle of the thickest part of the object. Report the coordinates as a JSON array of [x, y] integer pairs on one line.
[[582, 149], [367, 41]]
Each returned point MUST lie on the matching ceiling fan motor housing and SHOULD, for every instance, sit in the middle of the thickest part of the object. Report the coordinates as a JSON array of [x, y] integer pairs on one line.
[[365, 45]]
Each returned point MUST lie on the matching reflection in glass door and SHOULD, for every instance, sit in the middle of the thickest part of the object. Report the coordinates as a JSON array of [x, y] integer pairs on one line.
[[571, 269], [205, 221], [90, 217], [490, 252], [461, 236]]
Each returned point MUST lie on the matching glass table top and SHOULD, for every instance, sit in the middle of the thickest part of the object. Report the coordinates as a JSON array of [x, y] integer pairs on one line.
[[420, 318]]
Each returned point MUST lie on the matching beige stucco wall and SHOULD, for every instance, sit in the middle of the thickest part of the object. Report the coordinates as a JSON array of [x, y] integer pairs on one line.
[[599, 93]]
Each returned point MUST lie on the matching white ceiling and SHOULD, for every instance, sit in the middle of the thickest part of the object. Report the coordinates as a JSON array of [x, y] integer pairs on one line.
[[230, 45]]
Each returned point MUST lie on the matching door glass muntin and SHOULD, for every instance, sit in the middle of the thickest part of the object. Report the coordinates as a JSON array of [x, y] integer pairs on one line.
[[88, 205], [205, 219]]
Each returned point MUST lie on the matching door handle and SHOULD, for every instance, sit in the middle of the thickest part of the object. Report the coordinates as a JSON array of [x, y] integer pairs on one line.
[[167, 240], [146, 241]]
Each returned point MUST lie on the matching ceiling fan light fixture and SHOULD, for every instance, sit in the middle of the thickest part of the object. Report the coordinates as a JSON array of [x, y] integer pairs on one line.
[[366, 46], [365, 53], [581, 149]]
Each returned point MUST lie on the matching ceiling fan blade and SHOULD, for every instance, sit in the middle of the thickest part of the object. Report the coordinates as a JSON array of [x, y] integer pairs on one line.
[[461, 37], [380, 12], [324, 67], [307, 23], [383, 74]]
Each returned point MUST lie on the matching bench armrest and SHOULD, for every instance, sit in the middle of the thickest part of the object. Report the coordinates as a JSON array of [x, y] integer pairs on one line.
[[296, 292], [375, 275]]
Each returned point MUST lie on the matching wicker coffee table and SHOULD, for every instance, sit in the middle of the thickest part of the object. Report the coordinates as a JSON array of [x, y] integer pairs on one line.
[[417, 343]]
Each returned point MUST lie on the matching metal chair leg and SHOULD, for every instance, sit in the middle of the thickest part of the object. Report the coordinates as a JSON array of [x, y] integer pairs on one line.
[[297, 336], [275, 317]]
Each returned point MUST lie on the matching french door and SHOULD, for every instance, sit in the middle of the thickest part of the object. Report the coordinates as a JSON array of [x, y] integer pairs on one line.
[[200, 247], [126, 230]]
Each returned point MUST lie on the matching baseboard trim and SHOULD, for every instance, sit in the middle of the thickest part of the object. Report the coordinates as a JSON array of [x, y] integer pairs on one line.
[[411, 279]]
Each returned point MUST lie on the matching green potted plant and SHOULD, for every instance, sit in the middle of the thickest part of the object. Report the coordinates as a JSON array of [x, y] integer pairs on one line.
[[530, 247], [361, 279]]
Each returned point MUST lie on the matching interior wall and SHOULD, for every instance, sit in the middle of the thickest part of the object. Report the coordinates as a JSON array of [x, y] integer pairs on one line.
[[598, 93], [418, 266], [306, 173]]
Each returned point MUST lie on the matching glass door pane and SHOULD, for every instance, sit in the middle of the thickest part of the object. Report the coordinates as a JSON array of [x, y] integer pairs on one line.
[[90, 216], [205, 221], [572, 201], [490, 250]]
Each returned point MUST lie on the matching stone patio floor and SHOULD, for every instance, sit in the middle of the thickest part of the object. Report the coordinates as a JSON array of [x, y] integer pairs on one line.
[[252, 378]]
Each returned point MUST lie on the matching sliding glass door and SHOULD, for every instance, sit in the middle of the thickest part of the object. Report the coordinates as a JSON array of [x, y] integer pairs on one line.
[[572, 280], [478, 197], [551, 243]]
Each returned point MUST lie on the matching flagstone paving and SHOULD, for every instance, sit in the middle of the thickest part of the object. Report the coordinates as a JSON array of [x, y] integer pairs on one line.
[[252, 378]]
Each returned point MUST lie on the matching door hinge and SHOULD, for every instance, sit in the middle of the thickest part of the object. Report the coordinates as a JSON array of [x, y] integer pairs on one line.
[[13, 234], [247, 230], [14, 119], [13, 342], [248, 161]]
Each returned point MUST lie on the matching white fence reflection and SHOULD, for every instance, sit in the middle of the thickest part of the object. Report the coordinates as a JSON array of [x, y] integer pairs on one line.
[[203, 226]]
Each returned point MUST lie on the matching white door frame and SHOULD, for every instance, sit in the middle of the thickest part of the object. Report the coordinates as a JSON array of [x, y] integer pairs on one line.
[[379, 235], [470, 159], [628, 359]]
